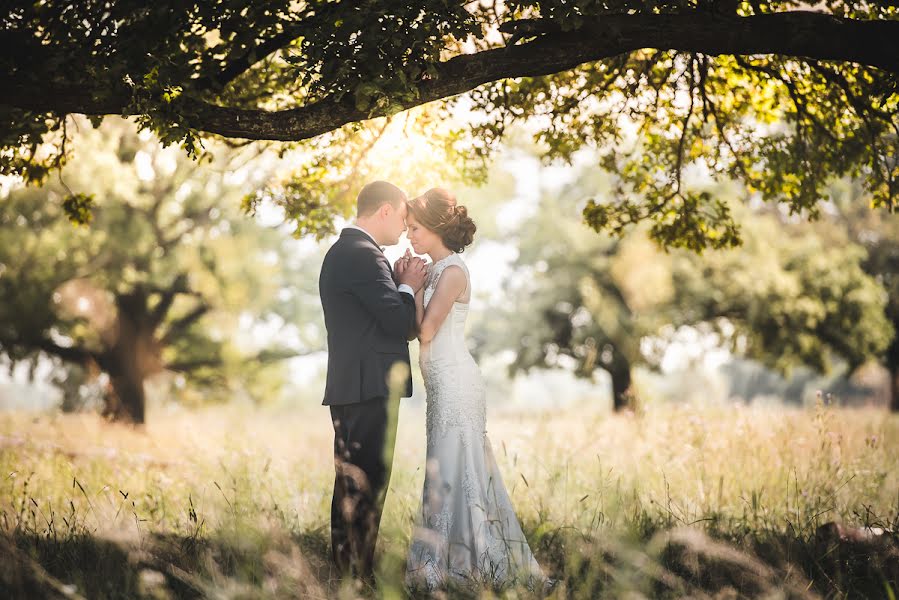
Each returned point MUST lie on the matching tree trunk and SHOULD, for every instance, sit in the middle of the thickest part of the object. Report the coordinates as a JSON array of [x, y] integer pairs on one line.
[[621, 385], [894, 388], [125, 401], [891, 361], [133, 356]]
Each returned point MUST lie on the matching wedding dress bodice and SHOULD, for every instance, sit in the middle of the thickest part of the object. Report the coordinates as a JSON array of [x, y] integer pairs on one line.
[[450, 338], [447, 365]]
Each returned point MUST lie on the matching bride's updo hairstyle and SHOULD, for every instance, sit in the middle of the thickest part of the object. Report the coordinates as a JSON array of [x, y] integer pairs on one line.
[[437, 211]]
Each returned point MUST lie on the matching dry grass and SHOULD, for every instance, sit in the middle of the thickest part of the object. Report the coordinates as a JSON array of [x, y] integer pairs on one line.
[[230, 502]]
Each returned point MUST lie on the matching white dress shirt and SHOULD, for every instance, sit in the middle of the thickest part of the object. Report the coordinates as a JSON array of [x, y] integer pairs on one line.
[[405, 288]]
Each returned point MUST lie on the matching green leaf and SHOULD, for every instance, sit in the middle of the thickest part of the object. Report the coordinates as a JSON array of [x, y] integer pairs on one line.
[[79, 208]]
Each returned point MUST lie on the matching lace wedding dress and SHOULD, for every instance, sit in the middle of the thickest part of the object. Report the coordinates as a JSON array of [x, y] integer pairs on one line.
[[467, 531]]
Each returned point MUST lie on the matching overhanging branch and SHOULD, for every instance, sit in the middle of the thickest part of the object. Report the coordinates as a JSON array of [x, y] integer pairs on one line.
[[800, 34]]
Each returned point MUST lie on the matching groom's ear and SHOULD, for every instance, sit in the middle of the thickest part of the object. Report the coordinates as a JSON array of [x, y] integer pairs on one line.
[[385, 209]]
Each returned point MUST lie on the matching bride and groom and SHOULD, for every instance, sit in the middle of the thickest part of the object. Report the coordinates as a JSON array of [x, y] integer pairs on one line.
[[466, 530]]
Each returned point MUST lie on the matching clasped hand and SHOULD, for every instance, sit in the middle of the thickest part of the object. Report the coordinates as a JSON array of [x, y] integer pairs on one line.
[[410, 270]]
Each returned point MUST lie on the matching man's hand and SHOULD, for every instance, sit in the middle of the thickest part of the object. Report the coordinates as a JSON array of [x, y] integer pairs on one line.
[[411, 270], [401, 263]]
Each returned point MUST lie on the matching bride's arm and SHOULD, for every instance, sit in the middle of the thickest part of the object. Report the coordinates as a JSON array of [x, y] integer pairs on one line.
[[419, 312], [450, 286]]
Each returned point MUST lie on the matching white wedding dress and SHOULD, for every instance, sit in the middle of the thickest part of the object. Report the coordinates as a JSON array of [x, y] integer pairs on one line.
[[467, 531]]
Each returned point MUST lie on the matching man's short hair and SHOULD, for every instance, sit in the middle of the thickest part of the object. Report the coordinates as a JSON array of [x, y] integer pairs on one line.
[[376, 193]]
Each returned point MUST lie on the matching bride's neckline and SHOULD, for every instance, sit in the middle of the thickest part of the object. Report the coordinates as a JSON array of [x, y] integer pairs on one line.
[[447, 257]]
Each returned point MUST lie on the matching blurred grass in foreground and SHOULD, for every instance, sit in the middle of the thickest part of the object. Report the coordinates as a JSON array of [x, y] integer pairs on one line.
[[675, 501]]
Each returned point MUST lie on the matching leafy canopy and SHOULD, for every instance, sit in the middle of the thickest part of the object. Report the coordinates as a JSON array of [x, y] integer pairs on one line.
[[770, 93]]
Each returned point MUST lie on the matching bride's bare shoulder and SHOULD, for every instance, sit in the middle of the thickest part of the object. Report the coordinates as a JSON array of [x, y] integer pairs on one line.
[[452, 277]]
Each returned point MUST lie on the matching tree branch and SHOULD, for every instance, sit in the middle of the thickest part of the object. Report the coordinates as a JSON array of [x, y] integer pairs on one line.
[[180, 324], [167, 299], [802, 110], [679, 161], [189, 365], [721, 122], [801, 34], [264, 357], [234, 67], [66, 353]]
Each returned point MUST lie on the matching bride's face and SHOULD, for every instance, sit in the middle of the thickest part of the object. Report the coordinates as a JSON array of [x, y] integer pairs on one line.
[[423, 240]]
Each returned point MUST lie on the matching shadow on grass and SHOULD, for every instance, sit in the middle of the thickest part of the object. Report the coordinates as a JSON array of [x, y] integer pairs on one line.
[[250, 565], [689, 562], [672, 563]]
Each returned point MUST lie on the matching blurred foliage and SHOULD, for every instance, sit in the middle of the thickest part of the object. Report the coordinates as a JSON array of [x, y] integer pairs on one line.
[[793, 294], [782, 125], [879, 235], [416, 150], [168, 274]]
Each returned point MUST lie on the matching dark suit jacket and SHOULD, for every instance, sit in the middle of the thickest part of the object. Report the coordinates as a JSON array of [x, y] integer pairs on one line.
[[368, 320]]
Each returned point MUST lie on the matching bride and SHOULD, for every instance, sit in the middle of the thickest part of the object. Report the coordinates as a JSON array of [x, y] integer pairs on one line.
[[467, 531]]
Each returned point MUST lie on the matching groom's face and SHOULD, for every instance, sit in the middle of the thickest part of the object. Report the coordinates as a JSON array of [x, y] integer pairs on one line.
[[394, 222]]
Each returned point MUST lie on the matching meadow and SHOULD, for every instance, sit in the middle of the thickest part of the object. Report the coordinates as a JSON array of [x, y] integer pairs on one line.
[[233, 502]]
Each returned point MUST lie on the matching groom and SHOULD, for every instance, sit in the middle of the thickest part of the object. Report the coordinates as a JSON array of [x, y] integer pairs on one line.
[[369, 315]]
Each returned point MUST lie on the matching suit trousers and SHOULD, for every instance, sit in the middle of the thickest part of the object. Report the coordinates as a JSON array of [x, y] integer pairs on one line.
[[364, 439]]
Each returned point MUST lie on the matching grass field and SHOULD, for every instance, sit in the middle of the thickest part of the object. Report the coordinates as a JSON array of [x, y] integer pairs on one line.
[[721, 501]]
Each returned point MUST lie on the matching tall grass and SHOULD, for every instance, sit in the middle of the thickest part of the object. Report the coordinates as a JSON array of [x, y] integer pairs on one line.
[[674, 501]]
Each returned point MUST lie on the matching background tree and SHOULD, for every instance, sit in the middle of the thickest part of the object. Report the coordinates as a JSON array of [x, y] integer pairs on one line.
[[790, 296], [779, 97], [167, 276], [879, 235]]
